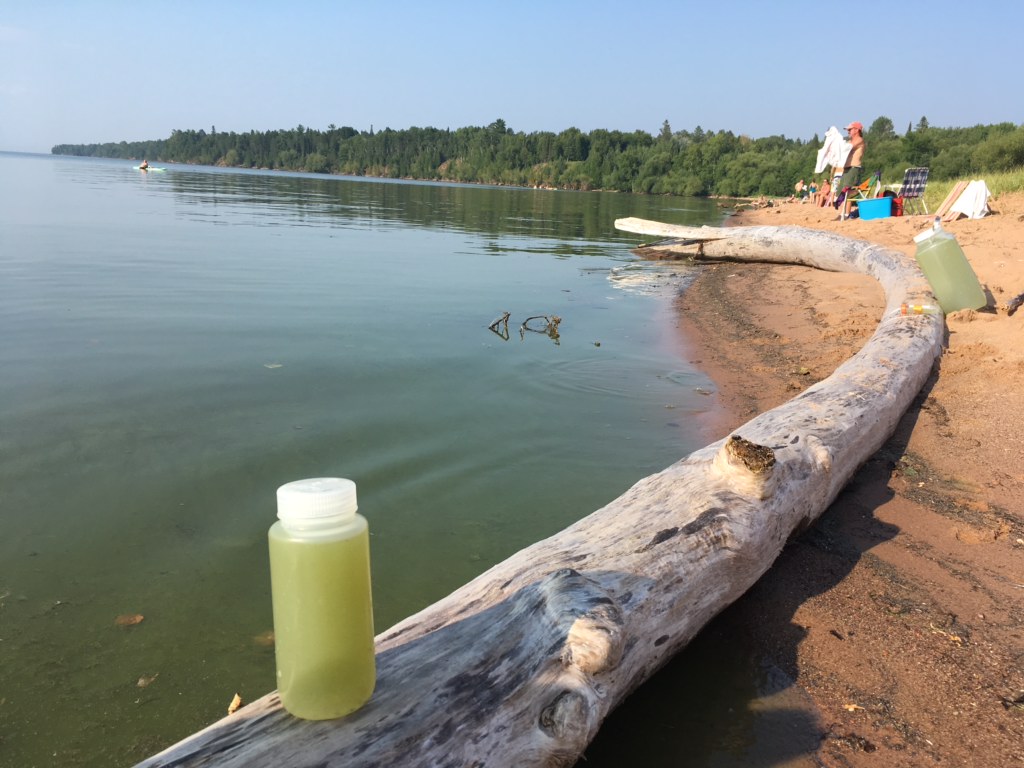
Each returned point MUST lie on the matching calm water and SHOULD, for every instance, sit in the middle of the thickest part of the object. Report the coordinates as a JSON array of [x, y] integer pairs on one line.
[[176, 345]]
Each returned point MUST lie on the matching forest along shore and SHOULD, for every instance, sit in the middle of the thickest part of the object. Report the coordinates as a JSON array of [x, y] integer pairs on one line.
[[901, 611]]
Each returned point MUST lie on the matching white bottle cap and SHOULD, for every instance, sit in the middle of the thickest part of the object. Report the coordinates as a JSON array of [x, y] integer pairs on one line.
[[922, 236], [316, 498]]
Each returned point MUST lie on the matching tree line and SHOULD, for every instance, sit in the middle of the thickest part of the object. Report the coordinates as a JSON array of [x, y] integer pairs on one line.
[[691, 163]]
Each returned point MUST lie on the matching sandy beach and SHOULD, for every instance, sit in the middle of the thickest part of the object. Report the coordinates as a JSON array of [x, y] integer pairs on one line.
[[901, 612]]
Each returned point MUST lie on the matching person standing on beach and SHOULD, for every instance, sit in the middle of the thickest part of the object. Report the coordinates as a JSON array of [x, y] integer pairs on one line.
[[852, 168]]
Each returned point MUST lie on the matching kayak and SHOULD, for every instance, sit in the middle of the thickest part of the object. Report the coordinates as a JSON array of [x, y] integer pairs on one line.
[[148, 168]]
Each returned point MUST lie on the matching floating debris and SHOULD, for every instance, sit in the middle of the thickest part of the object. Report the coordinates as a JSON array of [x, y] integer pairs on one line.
[[550, 326], [500, 325], [650, 278], [147, 680], [264, 639]]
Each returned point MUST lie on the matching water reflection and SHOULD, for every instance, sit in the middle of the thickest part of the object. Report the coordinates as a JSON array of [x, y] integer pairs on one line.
[[279, 198]]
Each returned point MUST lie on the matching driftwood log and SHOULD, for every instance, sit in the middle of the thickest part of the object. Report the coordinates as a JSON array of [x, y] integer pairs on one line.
[[520, 666]]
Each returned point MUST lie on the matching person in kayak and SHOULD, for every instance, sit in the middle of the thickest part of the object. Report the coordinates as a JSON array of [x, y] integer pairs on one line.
[[144, 166]]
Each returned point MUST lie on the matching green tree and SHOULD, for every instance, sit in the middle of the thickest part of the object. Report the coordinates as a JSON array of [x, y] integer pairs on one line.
[[315, 163], [881, 129], [918, 148], [690, 163], [1002, 152], [572, 144]]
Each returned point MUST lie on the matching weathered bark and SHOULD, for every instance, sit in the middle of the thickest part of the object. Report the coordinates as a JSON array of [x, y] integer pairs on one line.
[[521, 665]]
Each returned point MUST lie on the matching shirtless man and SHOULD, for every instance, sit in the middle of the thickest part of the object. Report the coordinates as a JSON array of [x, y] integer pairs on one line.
[[852, 171]]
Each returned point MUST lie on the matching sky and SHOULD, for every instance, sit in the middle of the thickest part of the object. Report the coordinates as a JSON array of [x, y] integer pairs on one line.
[[95, 71]]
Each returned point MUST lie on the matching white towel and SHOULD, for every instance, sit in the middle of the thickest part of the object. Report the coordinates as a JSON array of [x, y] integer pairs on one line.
[[834, 151], [973, 201]]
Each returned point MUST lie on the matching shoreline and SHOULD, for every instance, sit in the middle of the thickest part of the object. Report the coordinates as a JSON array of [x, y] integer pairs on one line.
[[899, 612]]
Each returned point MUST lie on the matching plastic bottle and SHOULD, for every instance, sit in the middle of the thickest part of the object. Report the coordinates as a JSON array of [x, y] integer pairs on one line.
[[323, 614], [953, 281]]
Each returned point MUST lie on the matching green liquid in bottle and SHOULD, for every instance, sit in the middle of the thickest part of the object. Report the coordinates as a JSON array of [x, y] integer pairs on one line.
[[323, 619], [949, 273]]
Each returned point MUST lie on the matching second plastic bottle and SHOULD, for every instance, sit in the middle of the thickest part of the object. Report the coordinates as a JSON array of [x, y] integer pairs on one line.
[[943, 262]]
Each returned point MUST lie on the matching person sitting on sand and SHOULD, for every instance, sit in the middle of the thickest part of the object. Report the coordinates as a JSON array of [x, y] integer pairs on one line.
[[824, 193]]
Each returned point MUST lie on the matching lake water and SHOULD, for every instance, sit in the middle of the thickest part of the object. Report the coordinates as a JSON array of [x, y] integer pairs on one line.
[[175, 345]]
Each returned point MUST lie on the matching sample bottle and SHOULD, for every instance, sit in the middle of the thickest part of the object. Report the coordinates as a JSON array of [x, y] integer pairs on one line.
[[323, 615], [953, 281]]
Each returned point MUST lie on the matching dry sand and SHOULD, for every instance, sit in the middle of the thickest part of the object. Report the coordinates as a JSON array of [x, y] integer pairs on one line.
[[901, 612]]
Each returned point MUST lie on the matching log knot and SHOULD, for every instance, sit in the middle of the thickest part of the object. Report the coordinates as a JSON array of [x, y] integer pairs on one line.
[[566, 718], [747, 466], [660, 537], [594, 641], [757, 458], [592, 618]]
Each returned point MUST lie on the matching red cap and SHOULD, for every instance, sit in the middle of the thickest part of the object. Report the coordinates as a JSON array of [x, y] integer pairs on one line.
[[855, 124]]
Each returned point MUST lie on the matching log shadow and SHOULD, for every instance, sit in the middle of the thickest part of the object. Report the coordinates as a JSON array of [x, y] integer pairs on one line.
[[728, 699]]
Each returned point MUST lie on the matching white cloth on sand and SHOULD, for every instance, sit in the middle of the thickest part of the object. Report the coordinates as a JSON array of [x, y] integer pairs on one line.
[[973, 201], [834, 151]]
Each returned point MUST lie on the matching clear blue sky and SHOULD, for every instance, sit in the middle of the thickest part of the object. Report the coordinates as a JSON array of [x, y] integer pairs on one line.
[[100, 70]]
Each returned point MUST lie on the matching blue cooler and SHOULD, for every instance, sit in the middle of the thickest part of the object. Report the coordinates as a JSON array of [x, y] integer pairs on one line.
[[875, 208]]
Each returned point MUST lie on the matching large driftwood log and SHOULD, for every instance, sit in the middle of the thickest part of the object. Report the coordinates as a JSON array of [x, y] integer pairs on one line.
[[521, 665]]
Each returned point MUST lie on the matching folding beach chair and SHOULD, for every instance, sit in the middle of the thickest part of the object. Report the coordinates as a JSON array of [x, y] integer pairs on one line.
[[870, 187], [912, 189]]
